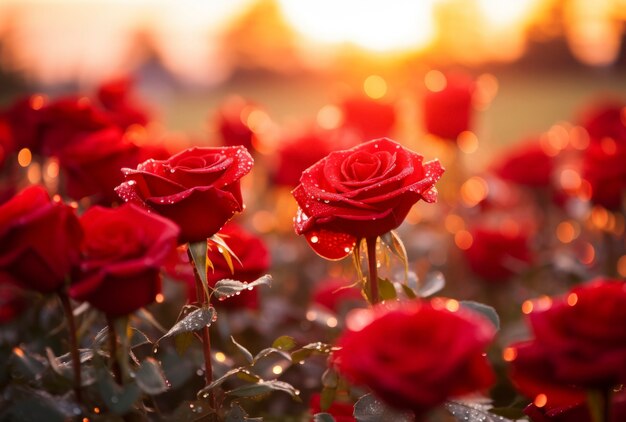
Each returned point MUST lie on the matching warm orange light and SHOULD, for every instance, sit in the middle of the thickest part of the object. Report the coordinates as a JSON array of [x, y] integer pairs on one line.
[[474, 190], [220, 357], [463, 239], [435, 81], [452, 305], [599, 216], [579, 138], [541, 400], [567, 231], [588, 255], [263, 221], [527, 307], [467, 142], [572, 299], [24, 157], [34, 173], [159, 298], [509, 354], [570, 179], [454, 223], [329, 117], [375, 87], [37, 101], [621, 266]]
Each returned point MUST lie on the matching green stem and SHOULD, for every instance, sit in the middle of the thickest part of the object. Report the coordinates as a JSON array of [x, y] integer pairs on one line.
[[372, 263], [115, 364], [206, 339], [69, 315]]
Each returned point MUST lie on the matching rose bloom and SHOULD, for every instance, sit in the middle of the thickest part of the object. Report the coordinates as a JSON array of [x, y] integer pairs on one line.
[[578, 412], [198, 189], [254, 261], [495, 255], [526, 164], [39, 240], [23, 118], [604, 169], [341, 412], [368, 117], [416, 355], [448, 112], [231, 121], [605, 118], [123, 251], [116, 98], [362, 192], [579, 344]]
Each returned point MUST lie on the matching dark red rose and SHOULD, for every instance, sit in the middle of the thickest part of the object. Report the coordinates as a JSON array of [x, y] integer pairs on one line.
[[604, 169], [578, 412], [334, 293], [341, 412], [496, 255], [197, 188], [24, 118], [416, 355], [7, 145], [92, 163], [362, 192], [526, 164], [12, 300], [66, 119], [370, 118], [448, 112], [579, 344], [116, 98], [299, 152], [254, 260], [232, 122], [123, 251], [604, 119], [39, 240]]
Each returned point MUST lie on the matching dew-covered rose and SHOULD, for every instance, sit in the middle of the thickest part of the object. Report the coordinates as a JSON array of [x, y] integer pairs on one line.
[[495, 255], [579, 344], [199, 188], [39, 240], [417, 355], [123, 251], [362, 192]]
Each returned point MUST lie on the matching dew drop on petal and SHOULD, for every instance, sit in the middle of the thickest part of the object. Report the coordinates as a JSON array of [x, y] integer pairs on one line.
[[331, 245]]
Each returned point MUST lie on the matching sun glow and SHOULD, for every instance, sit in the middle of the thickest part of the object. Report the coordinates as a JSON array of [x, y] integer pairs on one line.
[[375, 25]]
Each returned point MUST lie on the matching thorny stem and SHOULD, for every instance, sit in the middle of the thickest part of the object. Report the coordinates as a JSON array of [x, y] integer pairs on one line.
[[373, 268], [115, 366], [206, 339], [69, 314]]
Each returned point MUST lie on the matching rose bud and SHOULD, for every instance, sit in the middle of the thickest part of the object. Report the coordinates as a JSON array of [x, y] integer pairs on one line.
[[197, 188], [398, 354], [39, 240], [579, 344], [361, 192], [123, 251]]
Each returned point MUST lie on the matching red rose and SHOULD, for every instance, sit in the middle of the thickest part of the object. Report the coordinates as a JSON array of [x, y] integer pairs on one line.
[[604, 169], [448, 112], [496, 256], [370, 118], [197, 188], [341, 412], [12, 300], [417, 355], [254, 261], [232, 122], [576, 412], [7, 145], [334, 293], [362, 192], [24, 118], [605, 119], [115, 96], [123, 251], [92, 163], [579, 344], [39, 240], [526, 164]]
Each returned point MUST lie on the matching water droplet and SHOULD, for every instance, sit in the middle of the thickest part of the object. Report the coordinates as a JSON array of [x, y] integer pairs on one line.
[[115, 399]]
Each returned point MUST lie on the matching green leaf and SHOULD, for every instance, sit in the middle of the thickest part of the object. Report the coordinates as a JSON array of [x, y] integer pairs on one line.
[[191, 411], [485, 310], [194, 321], [310, 349], [386, 289], [198, 251], [205, 391], [370, 409], [408, 291], [182, 342], [237, 414], [327, 397], [330, 378], [323, 417], [400, 251], [245, 352], [150, 377], [268, 351], [35, 408], [119, 399], [265, 387], [138, 338], [248, 376], [226, 288], [468, 411], [284, 343]]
